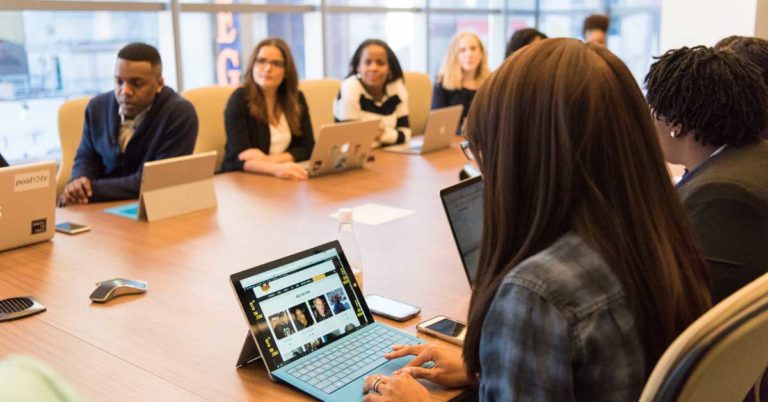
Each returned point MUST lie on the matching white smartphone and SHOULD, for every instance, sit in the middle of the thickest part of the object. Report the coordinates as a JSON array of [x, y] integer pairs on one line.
[[444, 328], [71, 228], [389, 308]]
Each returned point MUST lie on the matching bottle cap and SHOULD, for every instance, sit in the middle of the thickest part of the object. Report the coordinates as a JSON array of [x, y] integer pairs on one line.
[[345, 215]]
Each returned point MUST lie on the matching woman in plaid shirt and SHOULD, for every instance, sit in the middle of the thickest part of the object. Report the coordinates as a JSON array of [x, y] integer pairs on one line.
[[588, 267]]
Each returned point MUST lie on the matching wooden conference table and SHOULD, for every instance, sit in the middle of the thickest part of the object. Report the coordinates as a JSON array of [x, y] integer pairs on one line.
[[180, 340]]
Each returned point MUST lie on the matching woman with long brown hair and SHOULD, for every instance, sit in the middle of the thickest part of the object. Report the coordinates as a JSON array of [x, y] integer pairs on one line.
[[267, 119], [588, 268]]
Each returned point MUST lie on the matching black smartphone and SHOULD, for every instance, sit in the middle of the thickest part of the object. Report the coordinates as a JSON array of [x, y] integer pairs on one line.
[[444, 328], [71, 228], [389, 308]]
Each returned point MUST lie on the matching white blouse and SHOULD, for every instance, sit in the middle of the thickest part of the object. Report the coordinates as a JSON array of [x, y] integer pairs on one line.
[[280, 136]]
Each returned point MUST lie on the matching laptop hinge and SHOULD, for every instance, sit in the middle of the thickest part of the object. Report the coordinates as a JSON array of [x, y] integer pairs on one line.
[[249, 353]]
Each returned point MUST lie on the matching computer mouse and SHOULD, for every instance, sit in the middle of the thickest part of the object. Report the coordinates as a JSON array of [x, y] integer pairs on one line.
[[108, 290]]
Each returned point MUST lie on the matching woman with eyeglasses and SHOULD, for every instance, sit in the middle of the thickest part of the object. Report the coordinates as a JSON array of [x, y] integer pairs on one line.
[[375, 90], [588, 267], [267, 119]]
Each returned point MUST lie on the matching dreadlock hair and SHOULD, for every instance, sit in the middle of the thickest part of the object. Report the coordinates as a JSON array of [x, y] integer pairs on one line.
[[717, 96], [753, 49]]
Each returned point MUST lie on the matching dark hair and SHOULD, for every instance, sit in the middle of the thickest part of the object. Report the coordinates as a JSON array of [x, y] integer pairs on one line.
[[138, 51], [395, 71], [287, 92], [596, 21], [716, 95], [565, 143], [753, 49], [522, 37]]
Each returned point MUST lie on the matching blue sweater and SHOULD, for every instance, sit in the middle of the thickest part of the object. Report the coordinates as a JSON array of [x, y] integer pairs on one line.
[[168, 130]]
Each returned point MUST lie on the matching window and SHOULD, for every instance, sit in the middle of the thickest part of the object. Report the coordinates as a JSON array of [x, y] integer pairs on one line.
[[58, 51]]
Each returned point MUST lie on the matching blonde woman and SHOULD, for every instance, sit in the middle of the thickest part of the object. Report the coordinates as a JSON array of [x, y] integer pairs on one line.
[[464, 69]]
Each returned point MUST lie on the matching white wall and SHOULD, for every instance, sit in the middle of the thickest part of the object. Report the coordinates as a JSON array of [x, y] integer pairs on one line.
[[704, 22]]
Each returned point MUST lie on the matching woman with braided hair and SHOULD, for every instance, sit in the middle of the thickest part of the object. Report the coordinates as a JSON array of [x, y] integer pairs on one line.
[[710, 108]]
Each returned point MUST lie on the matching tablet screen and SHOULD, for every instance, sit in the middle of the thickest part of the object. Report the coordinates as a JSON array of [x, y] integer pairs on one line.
[[300, 304]]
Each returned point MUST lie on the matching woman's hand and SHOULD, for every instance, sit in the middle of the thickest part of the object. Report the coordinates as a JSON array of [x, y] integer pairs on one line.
[[251, 153], [448, 369], [290, 171], [398, 388]]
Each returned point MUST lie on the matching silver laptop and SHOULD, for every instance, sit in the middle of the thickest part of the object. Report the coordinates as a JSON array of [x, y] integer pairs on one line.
[[438, 134], [341, 146], [311, 326], [27, 204]]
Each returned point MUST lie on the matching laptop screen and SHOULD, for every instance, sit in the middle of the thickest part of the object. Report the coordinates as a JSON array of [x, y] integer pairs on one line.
[[301, 303], [463, 203]]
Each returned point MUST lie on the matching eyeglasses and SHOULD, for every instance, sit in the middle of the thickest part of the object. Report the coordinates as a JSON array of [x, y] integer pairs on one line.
[[274, 63], [467, 150]]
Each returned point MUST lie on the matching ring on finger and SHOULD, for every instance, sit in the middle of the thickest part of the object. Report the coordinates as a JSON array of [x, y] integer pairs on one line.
[[375, 386]]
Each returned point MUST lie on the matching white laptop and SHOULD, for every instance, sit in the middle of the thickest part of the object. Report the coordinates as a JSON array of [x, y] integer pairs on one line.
[[341, 146], [27, 204], [438, 134], [311, 326], [173, 186]]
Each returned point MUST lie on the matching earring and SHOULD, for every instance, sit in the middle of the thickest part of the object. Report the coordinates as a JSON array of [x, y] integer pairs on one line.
[[672, 134]]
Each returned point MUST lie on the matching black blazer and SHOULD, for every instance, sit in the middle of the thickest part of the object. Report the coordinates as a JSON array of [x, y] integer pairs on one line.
[[244, 132], [726, 199], [3, 163]]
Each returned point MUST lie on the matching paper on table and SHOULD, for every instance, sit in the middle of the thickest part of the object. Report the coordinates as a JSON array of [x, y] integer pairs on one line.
[[375, 214]]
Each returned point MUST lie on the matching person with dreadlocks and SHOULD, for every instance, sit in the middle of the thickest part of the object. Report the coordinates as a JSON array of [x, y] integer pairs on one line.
[[753, 49], [710, 107]]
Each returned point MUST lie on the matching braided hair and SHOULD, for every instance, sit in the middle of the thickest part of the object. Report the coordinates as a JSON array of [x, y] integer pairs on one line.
[[716, 95]]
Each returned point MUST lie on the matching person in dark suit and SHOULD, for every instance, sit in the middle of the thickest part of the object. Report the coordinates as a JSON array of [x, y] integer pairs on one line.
[[267, 119], [710, 108], [141, 120]]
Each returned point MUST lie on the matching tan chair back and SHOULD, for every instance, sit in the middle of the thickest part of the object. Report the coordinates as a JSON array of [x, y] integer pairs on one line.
[[419, 87], [209, 103], [320, 95], [730, 350], [71, 120]]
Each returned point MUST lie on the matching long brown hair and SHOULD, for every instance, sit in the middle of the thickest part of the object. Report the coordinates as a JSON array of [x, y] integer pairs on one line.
[[287, 92], [566, 143]]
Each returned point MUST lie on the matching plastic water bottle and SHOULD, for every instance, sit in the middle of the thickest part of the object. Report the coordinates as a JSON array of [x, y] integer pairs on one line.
[[349, 245]]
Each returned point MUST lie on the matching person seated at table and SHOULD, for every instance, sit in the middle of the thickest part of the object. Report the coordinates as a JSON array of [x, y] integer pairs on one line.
[[586, 273], [753, 49], [375, 90], [464, 69], [710, 108], [3, 162], [595, 29], [267, 118], [523, 37], [142, 120]]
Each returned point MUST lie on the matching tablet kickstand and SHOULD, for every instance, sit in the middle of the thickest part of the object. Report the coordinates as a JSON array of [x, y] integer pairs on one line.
[[249, 353]]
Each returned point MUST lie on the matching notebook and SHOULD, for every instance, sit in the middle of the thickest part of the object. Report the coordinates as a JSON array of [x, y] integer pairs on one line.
[[463, 204], [438, 134], [27, 204], [311, 325]]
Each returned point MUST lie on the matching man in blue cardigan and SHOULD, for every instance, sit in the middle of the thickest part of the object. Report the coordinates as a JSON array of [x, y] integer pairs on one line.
[[142, 120]]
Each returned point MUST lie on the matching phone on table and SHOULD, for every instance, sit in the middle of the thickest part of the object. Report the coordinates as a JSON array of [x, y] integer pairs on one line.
[[445, 328], [389, 308], [71, 228]]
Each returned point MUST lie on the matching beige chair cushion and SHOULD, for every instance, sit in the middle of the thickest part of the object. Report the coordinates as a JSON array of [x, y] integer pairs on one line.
[[71, 119], [419, 88], [713, 319], [320, 95], [209, 103]]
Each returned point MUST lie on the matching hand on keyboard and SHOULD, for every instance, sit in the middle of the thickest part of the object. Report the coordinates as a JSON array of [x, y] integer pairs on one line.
[[448, 366]]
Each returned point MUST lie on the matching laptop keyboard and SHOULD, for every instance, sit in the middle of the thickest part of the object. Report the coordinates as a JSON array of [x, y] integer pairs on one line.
[[344, 361]]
